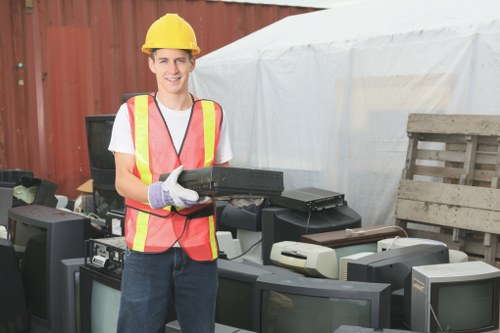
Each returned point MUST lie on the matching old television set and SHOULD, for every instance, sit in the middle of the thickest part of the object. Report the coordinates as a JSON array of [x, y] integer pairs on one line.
[[99, 301], [286, 224], [42, 236], [394, 267], [235, 295], [305, 304], [102, 164], [456, 297], [71, 294]]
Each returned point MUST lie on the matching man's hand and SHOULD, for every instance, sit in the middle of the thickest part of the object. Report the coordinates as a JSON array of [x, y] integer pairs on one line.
[[170, 193]]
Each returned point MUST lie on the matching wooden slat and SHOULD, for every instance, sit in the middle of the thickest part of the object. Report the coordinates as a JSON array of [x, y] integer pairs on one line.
[[449, 216], [450, 194], [486, 125]]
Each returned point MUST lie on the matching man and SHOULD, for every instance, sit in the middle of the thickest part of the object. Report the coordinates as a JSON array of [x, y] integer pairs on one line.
[[169, 230]]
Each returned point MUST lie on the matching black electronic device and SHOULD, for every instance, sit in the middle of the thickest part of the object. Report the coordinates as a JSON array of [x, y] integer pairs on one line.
[[102, 163], [99, 301], [115, 222], [13, 310], [286, 224], [12, 177], [43, 236], [229, 182], [298, 304], [308, 199], [395, 267], [71, 294], [106, 255]]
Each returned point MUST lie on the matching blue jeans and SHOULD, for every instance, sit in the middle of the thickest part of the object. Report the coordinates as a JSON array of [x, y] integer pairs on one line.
[[148, 281]]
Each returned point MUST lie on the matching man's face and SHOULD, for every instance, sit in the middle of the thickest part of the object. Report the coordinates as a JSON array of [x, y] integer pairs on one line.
[[172, 68]]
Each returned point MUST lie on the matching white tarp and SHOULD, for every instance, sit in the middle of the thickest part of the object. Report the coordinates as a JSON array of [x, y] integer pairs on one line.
[[325, 96]]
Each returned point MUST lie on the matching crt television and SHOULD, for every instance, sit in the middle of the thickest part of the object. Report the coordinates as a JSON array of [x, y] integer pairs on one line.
[[99, 301], [42, 236], [291, 304], [102, 163], [394, 266], [456, 297], [286, 224], [235, 296]]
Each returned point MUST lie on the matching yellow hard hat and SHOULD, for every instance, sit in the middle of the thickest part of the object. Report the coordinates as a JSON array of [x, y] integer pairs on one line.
[[170, 32]]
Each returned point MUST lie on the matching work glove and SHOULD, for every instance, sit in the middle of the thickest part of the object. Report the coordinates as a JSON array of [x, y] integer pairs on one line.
[[170, 193], [245, 202]]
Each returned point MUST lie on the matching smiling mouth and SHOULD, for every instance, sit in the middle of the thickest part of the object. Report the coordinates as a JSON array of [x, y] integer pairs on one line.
[[173, 79]]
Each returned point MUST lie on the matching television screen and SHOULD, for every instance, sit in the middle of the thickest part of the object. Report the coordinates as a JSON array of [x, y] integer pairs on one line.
[[42, 236], [456, 297], [235, 303], [99, 128], [285, 224], [102, 164], [303, 304], [99, 301]]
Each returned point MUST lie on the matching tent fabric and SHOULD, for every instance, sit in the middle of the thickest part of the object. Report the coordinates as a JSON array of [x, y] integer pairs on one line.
[[325, 96]]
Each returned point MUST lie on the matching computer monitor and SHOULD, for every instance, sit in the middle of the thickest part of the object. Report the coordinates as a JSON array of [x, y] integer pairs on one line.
[[457, 297], [285, 224], [394, 267], [235, 296], [102, 163], [42, 236], [305, 304]]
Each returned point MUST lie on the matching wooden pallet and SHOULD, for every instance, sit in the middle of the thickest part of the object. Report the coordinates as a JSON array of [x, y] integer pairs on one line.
[[451, 180]]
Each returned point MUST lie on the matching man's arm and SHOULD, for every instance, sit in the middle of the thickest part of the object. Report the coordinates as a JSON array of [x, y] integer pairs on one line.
[[127, 184]]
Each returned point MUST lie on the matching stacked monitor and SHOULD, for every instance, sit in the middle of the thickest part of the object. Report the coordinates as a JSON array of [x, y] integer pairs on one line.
[[102, 164], [99, 301], [305, 304], [42, 236], [456, 297], [235, 296], [286, 224]]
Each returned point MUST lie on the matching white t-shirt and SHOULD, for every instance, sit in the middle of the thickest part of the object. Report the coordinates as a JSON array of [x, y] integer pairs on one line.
[[177, 122]]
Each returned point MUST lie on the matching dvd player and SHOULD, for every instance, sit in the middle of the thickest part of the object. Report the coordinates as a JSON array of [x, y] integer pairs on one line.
[[229, 182], [309, 199]]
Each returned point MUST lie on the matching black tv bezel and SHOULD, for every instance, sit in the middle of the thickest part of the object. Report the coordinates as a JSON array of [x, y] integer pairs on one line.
[[57, 224], [378, 294], [89, 120], [435, 286], [87, 277]]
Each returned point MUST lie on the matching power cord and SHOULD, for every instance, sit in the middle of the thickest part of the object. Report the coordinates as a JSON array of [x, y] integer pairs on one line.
[[248, 250], [352, 232]]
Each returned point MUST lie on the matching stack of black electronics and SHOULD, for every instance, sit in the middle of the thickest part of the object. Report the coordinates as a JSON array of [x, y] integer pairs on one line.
[[106, 255], [304, 211], [13, 310]]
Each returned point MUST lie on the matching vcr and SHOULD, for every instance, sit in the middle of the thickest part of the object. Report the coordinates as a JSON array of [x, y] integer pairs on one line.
[[231, 182]]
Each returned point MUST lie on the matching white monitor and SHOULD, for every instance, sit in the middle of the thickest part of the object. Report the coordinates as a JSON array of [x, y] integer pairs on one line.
[[455, 297], [344, 261]]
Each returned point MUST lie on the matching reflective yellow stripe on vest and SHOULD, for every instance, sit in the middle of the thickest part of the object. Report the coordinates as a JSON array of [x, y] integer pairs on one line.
[[142, 161], [209, 131], [213, 241]]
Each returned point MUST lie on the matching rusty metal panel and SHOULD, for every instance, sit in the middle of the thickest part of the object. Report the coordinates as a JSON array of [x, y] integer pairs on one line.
[[79, 58]]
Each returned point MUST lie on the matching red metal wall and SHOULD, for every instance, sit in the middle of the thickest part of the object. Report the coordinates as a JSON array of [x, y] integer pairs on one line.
[[78, 58]]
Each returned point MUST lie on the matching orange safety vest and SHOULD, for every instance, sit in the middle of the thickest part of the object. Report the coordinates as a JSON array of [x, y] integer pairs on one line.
[[156, 230]]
